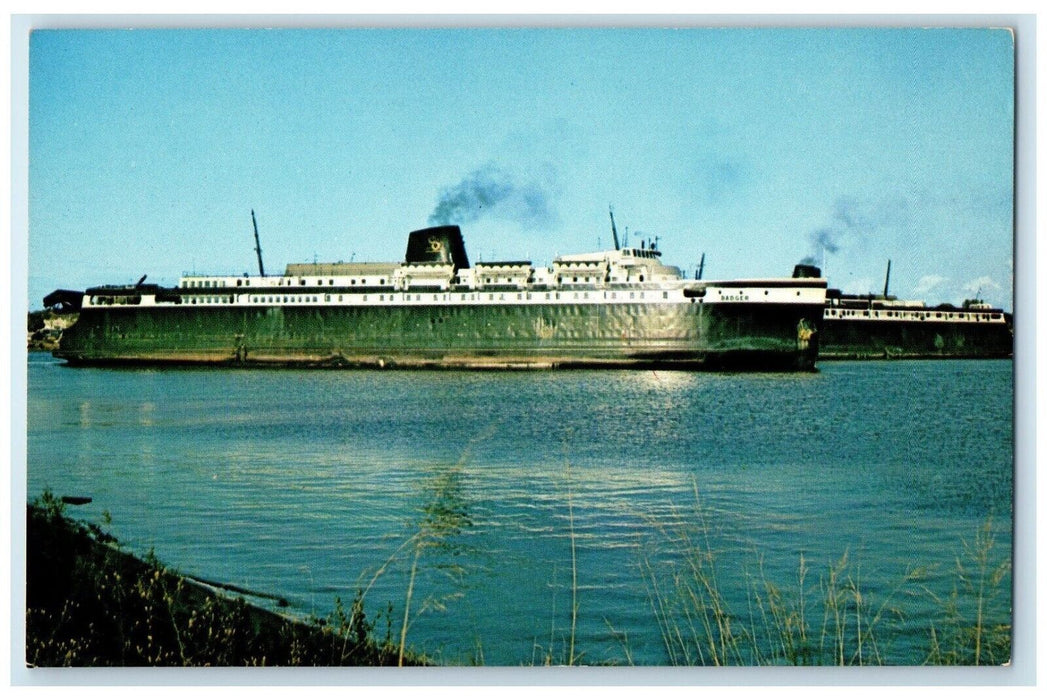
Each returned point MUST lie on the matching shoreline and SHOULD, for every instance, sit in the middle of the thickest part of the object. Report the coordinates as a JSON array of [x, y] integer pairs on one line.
[[90, 603]]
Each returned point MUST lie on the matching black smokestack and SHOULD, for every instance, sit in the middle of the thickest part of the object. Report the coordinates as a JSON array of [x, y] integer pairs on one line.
[[490, 191]]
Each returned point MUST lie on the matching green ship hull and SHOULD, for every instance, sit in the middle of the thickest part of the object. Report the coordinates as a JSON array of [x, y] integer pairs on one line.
[[849, 340], [565, 335]]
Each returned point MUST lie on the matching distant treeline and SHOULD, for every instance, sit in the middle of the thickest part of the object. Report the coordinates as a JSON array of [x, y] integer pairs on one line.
[[44, 328]]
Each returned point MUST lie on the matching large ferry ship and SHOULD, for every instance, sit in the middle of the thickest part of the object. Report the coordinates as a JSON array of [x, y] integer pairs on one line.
[[881, 326], [614, 308]]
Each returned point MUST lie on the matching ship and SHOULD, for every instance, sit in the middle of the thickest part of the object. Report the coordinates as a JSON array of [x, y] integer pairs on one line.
[[615, 308], [882, 326]]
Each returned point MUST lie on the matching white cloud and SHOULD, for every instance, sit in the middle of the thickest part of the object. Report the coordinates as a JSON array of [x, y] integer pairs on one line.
[[980, 285], [928, 283]]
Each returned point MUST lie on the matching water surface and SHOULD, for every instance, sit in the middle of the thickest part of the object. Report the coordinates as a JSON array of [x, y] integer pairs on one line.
[[518, 496]]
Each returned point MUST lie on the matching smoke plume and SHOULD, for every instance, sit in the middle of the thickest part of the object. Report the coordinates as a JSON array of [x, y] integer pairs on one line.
[[491, 191], [852, 220]]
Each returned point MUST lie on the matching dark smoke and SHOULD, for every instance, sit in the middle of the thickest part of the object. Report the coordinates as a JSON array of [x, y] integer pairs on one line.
[[490, 191], [825, 239], [851, 220]]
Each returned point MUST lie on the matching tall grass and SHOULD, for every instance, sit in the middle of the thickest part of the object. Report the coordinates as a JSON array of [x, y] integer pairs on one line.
[[958, 639], [434, 545], [574, 569], [838, 621]]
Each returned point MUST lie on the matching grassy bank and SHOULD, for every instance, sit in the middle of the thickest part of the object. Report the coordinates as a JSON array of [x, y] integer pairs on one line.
[[829, 616], [90, 603]]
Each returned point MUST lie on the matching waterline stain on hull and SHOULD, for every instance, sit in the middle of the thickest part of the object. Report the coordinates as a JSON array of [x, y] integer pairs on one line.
[[685, 336]]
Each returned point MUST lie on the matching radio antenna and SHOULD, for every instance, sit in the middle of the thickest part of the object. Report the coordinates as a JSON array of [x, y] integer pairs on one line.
[[257, 246]]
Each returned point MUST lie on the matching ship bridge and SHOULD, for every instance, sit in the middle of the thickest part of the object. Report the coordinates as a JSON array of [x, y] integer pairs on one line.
[[623, 265]]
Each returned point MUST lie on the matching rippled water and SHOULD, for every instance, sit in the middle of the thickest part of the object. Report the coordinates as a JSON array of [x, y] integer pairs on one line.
[[521, 495]]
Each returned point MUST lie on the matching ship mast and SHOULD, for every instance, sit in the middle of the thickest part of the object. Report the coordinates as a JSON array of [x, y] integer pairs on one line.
[[701, 268], [614, 229], [257, 246], [887, 279]]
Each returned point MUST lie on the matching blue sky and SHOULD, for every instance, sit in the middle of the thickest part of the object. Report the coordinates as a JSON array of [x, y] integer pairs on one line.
[[148, 149]]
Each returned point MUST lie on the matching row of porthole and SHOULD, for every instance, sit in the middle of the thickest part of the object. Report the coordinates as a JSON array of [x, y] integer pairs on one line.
[[590, 280], [285, 300], [407, 297], [280, 282], [363, 282], [766, 292], [918, 316]]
